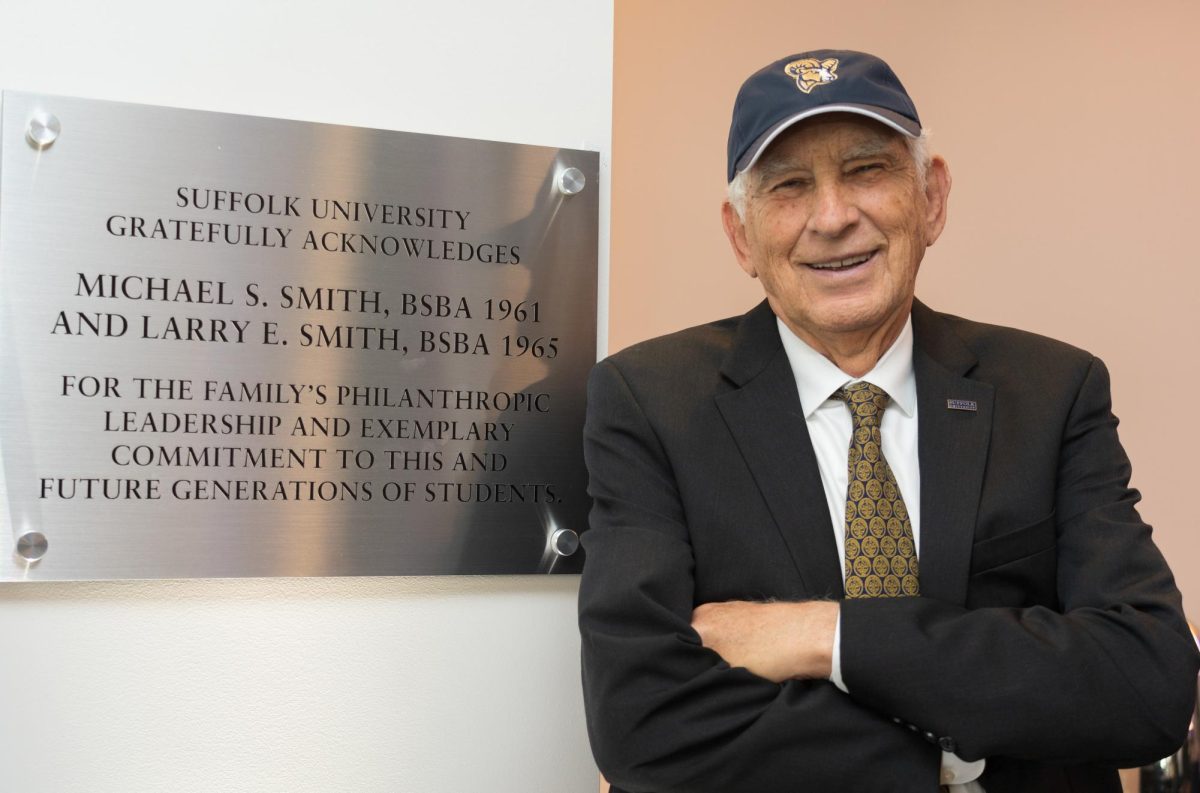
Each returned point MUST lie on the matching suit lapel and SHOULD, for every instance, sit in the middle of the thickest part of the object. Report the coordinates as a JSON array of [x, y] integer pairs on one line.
[[764, 415], [767, 423], [953, 447]]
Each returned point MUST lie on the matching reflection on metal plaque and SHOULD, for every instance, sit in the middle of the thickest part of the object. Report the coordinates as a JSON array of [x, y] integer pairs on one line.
[[239, 346]]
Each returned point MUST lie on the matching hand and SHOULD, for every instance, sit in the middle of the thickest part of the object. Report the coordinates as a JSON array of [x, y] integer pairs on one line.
[[778, 641]]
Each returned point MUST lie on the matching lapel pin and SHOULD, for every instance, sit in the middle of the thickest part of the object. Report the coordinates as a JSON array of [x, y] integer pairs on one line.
[[962, 404]]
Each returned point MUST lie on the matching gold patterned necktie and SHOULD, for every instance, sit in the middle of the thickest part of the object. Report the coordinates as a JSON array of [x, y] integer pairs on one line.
[[881, 558]]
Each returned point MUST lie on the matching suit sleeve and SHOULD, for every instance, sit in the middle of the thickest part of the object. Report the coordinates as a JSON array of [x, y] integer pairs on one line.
[[663, 712], [1108, 676]]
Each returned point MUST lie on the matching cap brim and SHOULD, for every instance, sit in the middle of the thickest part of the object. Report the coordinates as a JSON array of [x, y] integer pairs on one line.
[[903, 125]]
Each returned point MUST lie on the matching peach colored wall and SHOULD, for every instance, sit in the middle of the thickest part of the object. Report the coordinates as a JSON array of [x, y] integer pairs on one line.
[[1071, 132]]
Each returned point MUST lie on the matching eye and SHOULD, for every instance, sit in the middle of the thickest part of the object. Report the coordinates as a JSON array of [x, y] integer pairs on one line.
[[790, 183], [867, 168]]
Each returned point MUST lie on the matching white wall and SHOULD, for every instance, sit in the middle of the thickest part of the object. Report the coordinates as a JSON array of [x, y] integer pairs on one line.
[[322, 685]]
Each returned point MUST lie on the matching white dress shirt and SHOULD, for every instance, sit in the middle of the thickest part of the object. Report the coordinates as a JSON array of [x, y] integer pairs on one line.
[[829, 428]]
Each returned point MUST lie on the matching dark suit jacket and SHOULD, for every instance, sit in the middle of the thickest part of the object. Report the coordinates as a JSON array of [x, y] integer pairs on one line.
[[1048, 636]]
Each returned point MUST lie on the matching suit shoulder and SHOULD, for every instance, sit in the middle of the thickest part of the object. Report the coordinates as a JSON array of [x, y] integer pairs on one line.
[[1015, 346]]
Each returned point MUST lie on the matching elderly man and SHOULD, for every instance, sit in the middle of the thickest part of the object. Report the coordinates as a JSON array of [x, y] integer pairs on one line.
[[847, 543]]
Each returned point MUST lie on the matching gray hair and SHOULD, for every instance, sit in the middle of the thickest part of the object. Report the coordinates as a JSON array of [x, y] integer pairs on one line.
[[739, 188]]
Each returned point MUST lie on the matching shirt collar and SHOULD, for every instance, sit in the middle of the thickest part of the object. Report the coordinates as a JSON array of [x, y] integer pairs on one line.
[[817, 378]]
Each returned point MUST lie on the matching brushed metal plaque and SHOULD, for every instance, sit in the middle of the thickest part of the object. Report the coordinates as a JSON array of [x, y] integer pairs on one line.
[[241, 346]]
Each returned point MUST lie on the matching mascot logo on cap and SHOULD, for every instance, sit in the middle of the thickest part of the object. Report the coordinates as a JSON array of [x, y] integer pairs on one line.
[[810, 72]]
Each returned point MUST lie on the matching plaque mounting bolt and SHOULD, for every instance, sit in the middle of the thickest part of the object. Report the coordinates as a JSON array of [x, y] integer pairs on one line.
[[571, 181], [43, 130], [564, 542], [32, 546]]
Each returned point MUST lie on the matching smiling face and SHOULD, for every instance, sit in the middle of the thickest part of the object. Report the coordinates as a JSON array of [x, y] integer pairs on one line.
[[835, 224]]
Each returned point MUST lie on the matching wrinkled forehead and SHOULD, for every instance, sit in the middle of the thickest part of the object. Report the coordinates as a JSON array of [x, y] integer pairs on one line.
[[843, 136]]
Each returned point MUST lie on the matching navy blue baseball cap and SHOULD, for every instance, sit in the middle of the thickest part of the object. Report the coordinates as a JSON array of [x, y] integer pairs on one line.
[[808, 84]]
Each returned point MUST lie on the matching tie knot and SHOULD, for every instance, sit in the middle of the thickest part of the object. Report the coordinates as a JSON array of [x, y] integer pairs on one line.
[[865, 400]]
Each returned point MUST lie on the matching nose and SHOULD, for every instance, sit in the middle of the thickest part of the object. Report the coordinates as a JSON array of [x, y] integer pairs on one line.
[[834, 211]]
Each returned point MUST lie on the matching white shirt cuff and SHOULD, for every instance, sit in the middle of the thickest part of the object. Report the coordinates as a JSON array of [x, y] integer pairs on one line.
[[835, 666], [957, 771]]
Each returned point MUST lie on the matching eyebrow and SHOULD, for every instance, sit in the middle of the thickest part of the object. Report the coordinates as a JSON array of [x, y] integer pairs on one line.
[[772, 167], [870, 148], [769, 169]]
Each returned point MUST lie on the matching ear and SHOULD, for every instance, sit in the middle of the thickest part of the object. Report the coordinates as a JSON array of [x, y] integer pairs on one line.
[[829, 63], [735, 231], [937, 197]]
